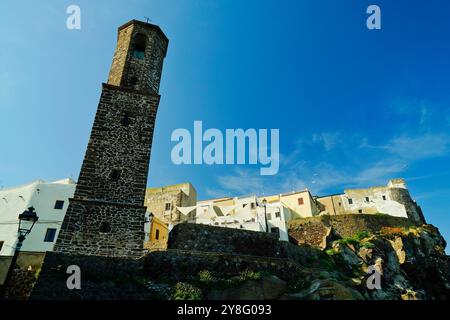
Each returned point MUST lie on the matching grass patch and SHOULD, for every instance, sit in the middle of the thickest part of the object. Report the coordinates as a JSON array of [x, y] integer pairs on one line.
[[355, 239], [249, 275], [186, 291], [367, 245], [206, 277]]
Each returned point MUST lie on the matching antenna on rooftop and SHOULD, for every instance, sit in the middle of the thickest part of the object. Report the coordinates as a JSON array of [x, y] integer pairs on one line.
[[147, 19]]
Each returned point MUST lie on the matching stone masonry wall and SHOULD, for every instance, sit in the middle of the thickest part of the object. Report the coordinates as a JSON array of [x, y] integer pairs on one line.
[[196, 237], [180, 195], [101, 278], [155, 203], [139, 73], [412, 209], [82, 232], [115, 146], [106, 215]]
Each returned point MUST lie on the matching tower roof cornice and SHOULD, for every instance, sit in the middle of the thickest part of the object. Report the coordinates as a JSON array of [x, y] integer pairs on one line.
[[146, 25]]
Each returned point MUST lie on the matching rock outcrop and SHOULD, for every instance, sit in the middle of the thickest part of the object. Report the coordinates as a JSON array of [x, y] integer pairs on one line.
[[204, 262], [412, 262], [338, 264]]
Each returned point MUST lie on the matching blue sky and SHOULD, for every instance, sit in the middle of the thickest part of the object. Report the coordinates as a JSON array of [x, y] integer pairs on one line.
[[354, 107]]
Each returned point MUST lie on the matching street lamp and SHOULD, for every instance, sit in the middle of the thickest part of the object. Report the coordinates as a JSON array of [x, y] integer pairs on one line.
[[27, 219], [265, 213]]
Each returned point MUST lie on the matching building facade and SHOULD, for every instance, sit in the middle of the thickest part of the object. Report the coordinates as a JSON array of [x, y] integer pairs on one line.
[[50, 199], [247, 213], [300, 204], [393, 199], [167, 206], [156, 233], [163, 202], [106, 214]]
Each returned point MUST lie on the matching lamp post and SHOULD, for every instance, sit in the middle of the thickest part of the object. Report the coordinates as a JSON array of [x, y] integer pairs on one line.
[[27, 219], [265, 214]]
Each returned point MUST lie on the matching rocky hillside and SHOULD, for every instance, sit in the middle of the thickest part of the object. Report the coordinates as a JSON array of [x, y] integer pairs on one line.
[[329, 258], [410, 259], [412, 262]]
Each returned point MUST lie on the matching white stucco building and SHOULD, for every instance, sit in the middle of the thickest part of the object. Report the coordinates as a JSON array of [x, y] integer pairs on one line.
[[241, 213], [393, 199], [50, 199]]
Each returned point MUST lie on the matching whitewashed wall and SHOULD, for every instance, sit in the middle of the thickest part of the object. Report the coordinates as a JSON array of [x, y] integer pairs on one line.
[[246, 218], [42, 196]]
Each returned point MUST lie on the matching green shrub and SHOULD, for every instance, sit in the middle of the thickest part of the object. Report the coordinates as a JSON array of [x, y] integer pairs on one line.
[[330, 252], [249, 275], [361, 235], [206, 278], [186, 291], [348, 240], [367, 245], [355, 239]]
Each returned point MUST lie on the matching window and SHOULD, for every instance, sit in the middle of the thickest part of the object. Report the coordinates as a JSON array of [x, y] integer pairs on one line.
[[274, 230], [169, 206], [350, 201], [300, 201], [360, 211], [140, 42], [340, 204], [157, 234], [115, 175], [125, 119], [59, 205], [133, 81], [384, 197], [269, 216], [1, 245], [277, 214], [252, 205], [105, 227], [367, 199], [50, 235]]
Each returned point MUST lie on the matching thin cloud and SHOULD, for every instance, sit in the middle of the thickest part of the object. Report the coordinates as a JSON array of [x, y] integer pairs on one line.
[[429, 145], [420, 147], [242, 182], [328, 139]]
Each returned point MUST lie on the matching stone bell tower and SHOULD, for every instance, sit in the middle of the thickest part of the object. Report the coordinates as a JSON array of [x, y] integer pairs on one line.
[[106, 215]]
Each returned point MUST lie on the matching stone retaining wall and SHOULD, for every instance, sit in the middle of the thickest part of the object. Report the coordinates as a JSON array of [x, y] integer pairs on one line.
[[196, 237], [101, 278]]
